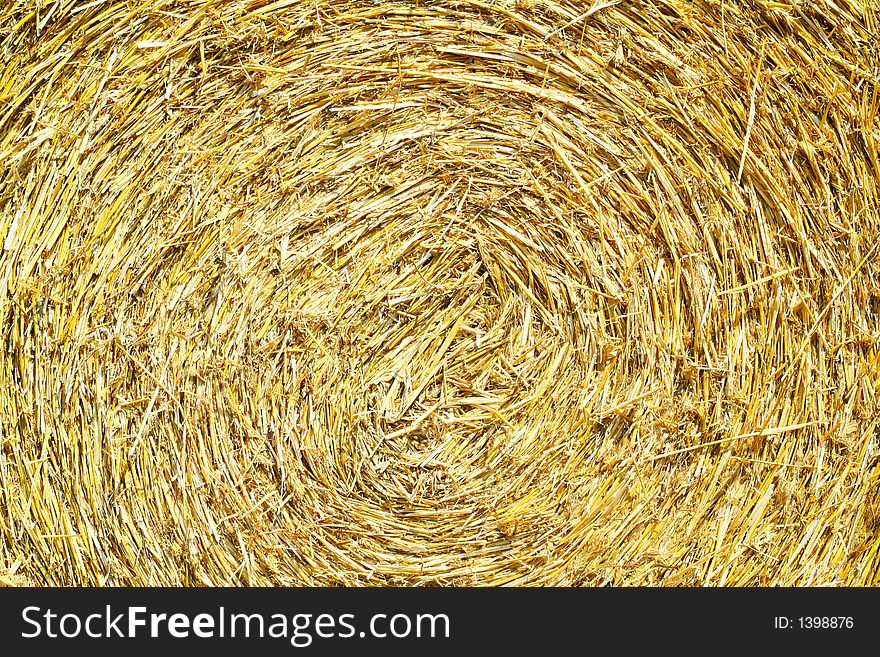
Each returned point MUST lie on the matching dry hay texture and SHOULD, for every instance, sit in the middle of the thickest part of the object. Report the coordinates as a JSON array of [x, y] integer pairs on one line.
[[360, 292]]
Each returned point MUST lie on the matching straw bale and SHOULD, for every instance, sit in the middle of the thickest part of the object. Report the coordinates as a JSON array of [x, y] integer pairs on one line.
[[496, 292]]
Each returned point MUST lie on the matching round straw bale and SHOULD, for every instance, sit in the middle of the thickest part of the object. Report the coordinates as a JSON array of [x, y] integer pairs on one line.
[[464, 292]]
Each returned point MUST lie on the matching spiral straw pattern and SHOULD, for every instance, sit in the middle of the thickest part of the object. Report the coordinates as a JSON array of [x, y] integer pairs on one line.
[[462, 292]]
